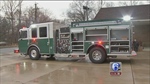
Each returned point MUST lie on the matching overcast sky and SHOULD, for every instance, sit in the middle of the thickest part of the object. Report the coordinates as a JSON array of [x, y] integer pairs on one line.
[[56, 7]]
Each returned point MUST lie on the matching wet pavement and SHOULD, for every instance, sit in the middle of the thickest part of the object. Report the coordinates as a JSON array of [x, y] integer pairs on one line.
[[141, 68], [21, 70], [7, 50]]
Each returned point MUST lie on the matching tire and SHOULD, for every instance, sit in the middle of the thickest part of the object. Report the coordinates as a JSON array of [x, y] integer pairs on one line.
[[34, 53], [97, 55], [51, 58]]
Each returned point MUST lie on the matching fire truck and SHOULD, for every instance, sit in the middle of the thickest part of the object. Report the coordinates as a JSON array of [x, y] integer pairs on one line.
[[97, 39]]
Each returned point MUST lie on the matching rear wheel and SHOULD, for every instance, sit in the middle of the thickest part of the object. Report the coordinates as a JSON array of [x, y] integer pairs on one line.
[[97, 55], [34, 53]]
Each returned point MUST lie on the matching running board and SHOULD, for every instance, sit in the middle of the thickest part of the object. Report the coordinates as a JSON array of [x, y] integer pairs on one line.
[[70, 55], [119, 54]]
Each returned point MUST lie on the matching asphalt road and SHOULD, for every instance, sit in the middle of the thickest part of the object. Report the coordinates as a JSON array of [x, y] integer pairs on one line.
[[7, 50], [15, 69]]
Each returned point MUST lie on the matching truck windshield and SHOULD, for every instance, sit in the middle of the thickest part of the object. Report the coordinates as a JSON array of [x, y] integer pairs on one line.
[[23, 34]]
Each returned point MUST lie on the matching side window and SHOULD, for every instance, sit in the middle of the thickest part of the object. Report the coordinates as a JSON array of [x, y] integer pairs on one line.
[[43, 31], [34, 32], [23, 34]]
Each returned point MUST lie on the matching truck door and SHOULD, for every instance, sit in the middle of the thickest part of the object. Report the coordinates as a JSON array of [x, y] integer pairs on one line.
[[43, 39], [23, 41]]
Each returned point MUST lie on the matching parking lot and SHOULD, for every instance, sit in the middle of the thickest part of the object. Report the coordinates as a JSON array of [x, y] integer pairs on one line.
[[15, 69]]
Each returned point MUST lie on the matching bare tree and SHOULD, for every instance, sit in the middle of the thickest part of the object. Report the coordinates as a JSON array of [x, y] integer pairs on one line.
[[130, 3], [4, 29], [97, 6], [10, 7], [0, 5], [101, 4], [80, 9], [42, 15], [109, 4], [134, 2], [148, 1], [123, 3]]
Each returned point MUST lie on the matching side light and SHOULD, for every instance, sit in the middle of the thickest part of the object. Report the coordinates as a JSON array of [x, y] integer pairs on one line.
[[16, 51], [24, 27], [127, 18], [99, 42], [34, 40], [92, 42]]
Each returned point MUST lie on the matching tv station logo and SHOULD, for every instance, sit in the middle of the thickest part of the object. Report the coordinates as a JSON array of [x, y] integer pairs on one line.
[[115, 68]]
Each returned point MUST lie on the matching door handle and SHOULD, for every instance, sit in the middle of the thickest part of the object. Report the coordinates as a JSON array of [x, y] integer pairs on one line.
[[47, 43], [28, 43]]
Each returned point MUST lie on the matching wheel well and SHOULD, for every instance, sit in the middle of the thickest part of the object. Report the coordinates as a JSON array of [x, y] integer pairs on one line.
[[31, 47], [95, 46]]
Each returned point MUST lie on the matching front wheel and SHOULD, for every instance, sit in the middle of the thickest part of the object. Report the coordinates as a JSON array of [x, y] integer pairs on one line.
[[34, 53], [97, 55]]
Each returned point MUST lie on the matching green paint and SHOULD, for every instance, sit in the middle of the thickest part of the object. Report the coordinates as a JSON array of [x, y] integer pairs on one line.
[[43, 46], [99, 20], [52, 50], [107, 49], [100, 25], [86, 46], [23, 46], [104, 20]]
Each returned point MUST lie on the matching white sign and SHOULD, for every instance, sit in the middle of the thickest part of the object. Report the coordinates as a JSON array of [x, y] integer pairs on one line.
[[96, 23]]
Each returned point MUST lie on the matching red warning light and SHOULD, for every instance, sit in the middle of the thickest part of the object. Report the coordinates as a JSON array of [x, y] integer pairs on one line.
[[33, 39], [99, 42], [24, 27], [16, 51]]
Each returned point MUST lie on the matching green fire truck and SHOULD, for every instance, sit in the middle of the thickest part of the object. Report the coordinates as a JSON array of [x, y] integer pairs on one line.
[[97, 39]]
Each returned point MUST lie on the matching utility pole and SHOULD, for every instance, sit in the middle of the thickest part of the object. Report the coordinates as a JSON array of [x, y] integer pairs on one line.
[[86, 12], [101, 3], [35, 13], [26, 19], [19, 16], [19, 27]]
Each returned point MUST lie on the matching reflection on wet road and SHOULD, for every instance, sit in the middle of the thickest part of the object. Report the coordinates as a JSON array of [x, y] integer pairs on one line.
[[7, 50], [84, 73], [26, 71], [21, 70], [60, 72], [72, 74]]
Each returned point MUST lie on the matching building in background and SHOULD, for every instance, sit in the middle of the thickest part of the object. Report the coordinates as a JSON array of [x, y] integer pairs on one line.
[[140, 18]]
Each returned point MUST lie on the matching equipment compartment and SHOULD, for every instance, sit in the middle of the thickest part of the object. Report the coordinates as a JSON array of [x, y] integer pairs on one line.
[[119, 40], [96, 34]]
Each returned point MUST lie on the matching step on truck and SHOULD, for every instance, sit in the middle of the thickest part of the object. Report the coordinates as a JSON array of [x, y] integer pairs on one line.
[[98, 39]]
